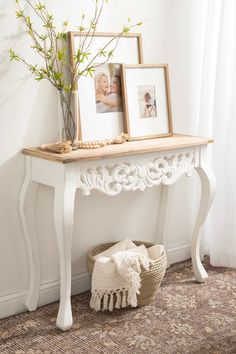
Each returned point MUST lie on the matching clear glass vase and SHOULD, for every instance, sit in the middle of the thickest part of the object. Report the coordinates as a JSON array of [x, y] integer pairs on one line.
[[67, 109]]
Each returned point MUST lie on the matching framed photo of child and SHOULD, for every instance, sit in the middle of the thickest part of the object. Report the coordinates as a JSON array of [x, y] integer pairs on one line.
[[107, 84], [99, 99], [146, 99]]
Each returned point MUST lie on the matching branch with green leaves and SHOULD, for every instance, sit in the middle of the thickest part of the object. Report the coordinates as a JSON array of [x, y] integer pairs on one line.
[[51, 46]]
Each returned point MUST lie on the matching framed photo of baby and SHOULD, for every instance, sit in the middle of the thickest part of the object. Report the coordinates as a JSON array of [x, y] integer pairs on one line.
[[99, 99], [146, 101]]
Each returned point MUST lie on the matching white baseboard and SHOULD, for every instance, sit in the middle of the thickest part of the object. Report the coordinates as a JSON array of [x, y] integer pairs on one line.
[[13, 303], [178, 253]]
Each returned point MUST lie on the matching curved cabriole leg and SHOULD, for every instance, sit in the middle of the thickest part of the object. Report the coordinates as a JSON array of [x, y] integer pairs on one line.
[[31, 242], [64, 218], [163, 218], [208, 186]]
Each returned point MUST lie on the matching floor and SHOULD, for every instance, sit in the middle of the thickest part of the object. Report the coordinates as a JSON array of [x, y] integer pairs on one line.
[[185, 317]]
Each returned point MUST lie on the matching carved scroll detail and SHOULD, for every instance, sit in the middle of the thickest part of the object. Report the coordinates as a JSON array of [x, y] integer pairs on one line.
[[129, 176]]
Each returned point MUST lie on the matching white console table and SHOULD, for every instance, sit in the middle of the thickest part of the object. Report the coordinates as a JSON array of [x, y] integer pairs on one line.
[[112, 169]]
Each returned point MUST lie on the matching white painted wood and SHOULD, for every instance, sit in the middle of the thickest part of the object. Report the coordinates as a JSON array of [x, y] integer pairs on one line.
[[110, 176], [163, 219], [30, 238], [113, 176], [44, 171], [208, 186], [65, 190]]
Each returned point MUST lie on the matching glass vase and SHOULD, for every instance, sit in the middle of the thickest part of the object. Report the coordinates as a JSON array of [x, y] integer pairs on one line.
[[67, 111]]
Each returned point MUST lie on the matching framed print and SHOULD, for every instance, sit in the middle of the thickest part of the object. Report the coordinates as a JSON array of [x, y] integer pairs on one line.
[[146, 99], [98, 101]]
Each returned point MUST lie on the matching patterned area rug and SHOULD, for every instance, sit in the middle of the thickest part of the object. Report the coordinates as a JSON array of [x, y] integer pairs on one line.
[[185, 317]]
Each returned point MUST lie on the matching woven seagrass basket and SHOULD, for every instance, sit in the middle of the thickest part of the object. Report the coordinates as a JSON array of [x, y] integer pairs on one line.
[[150, 279]]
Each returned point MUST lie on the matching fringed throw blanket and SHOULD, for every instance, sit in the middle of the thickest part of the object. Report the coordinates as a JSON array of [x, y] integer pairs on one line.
[[116, 276]]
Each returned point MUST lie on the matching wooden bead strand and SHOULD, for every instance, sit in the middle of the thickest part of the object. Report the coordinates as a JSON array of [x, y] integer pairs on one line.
[[66, 147], [90, 144]]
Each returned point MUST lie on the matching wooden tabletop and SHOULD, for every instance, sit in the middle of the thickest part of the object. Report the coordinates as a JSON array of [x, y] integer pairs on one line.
[[176, 141]]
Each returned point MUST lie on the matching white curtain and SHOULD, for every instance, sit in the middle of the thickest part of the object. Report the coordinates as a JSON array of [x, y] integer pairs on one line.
[[217, 118]]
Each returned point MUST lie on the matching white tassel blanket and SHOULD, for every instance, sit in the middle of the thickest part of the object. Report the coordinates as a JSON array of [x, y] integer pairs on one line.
[[116, 275]]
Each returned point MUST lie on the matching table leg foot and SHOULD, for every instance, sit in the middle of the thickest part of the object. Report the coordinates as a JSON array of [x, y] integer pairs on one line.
[[64, 317], [200, 273]]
